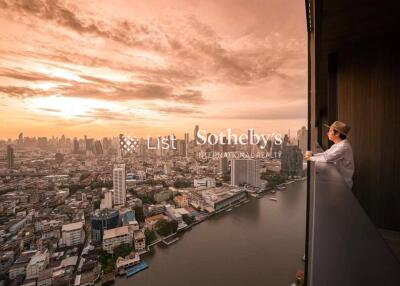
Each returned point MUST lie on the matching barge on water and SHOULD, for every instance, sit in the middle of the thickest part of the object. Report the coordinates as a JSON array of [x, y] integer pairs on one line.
[[136, 269]]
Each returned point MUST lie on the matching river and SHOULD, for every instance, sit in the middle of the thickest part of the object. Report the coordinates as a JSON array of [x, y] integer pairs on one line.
[[259, 243]]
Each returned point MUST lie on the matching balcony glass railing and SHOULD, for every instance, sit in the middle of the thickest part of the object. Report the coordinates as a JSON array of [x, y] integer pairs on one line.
[[344, 247]]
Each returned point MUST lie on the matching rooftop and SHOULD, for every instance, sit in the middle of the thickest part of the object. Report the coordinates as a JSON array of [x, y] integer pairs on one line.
[[69, 261], [138, 234], [72, 226], [39, 257], [114, 232], [154, 217], [181, 198], [219, 194]]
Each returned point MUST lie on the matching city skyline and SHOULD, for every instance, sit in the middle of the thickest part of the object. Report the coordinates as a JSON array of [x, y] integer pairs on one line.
[[146, 68], [20, 137]]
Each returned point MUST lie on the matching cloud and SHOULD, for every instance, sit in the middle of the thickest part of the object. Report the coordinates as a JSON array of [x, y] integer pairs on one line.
[[56, 121], [57, 12], [179, 63], [49, 109], [193, 49], [108, 115], [53, 11], [98, 88], [22, 92], [178, 110], [27, 75], [291, 110]]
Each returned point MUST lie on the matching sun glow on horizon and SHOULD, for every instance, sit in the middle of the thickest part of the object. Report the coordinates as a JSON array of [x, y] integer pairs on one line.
[[69, 107]]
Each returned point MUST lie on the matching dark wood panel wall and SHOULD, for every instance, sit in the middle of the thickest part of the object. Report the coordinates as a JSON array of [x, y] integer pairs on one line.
[[358, 80], [369, 101]]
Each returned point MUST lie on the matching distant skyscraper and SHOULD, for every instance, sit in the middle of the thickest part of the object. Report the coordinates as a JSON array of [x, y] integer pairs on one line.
[[120, 152], [119, 184], [172, 144], [286, 140], [42, 142], [76, 146], [21, 138], [250, 133], [143, 148], [89, 144], [180, 144], [224, 168], [186, 144], [224, 144], [276, 149], [196, 130], [302, 139], [159, 151], [98, 148], [10, 157], [245, 171], [291, 161], [224, 160], [106, 143]]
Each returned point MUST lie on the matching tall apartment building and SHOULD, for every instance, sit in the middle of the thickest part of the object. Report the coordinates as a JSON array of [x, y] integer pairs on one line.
[[10, 157], [119, 184], [245, 171]]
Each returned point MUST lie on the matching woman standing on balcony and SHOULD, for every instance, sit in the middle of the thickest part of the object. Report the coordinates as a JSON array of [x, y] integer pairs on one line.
[[340, 153]]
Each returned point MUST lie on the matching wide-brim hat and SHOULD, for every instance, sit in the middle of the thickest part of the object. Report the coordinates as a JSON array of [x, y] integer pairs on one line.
[[340, 127]]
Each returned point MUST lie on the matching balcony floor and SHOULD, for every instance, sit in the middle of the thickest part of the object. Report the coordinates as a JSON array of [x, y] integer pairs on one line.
[[392, 238]]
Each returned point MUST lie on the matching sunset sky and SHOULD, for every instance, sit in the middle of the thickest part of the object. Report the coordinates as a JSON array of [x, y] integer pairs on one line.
[[151, 66]]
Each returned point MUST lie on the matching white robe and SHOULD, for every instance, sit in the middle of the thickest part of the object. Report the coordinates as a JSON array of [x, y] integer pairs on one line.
[[341, 155]]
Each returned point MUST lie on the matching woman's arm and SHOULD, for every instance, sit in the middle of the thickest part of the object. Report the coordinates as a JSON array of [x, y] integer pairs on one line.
[[333, 154]]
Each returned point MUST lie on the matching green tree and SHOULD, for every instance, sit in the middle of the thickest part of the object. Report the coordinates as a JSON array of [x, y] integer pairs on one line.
[[122, 250], [148, 200], [139, 215], [164, 227], [109, 266], [176, 194], [74, 187], [273, 178], [188, 219], [150, 236], [182, 183], [174, 225], [96, 204], [107, 262]]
